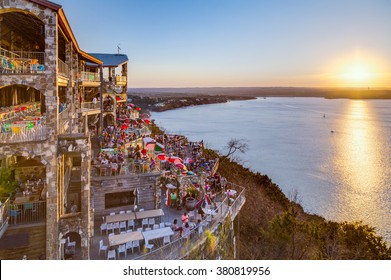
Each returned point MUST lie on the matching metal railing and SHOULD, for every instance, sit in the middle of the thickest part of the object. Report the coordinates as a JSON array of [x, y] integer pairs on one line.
[[17, 133], [21, 62], [120, 79], [181, 247], [71, 126], [89, 77], [4, 216], [90, 106], [27, 213], [63, 69]]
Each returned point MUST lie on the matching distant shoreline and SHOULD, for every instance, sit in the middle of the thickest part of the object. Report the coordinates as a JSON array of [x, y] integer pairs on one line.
[[160, 100]]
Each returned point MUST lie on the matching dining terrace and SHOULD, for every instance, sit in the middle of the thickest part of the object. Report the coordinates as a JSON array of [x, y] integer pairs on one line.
[[21, 62]]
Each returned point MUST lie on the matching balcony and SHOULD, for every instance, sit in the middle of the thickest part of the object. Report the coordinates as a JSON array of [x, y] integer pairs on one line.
[[27, 212], [73, 127], [63, 69], [21, 62], [120, 80], [90, 78], [90, 108]]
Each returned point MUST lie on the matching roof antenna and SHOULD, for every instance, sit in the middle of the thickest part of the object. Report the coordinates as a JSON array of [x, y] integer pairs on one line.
[[118, 48]]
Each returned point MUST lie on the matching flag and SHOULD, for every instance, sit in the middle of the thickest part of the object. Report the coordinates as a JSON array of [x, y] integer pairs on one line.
[[159, 147]]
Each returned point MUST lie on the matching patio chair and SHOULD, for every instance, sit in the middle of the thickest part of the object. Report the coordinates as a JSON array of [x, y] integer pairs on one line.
[[139, 229], [115, 226], [122, 249], [109, 227], [141, 210], [122, 225], [102, 247], [162, 225], [103, 227], [166, 239], [122, 232], [112, 214], [111, 255], [147, 229], [129, 230], [148, 246], [131, 224], [128, 211], [122, 212], [111, 234], [135, 244], [128, 245], [151, 221], [155, 226], [144, 222]]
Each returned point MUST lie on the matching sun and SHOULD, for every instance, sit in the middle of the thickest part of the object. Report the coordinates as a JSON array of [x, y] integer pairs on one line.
[[357, 69], [358, 74]]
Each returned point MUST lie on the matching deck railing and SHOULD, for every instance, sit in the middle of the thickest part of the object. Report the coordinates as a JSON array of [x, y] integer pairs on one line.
[[23, 132], [89, 77], [27, 213], [90, 106], [120, 79], [69, 126], [181, 247], [63, 68], [21, 62]]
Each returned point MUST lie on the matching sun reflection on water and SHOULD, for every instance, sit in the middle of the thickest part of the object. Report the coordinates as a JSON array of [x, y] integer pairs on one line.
[[361, 166]]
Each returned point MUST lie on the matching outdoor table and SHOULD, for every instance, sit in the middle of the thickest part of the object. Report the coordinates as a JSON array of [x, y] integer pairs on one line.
[[125, 237], [120, 217], [157, 233], [149, 214]]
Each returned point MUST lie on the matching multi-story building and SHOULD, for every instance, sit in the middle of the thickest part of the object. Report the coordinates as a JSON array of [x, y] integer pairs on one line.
[[48, 110]]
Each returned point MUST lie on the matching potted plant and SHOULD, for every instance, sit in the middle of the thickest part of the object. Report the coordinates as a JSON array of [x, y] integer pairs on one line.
[[190, 200]]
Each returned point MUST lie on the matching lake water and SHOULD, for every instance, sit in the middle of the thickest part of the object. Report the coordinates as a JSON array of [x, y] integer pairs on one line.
[[341, 175]]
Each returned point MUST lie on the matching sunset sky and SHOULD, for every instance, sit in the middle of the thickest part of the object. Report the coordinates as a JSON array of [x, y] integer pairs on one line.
[[184, 43]]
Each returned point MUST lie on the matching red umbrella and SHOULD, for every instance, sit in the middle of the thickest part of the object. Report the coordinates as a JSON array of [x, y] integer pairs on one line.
[[147, 121], [181, 166], [138, 108], [144, 151], [124, 127], [131, 105], [118, 98], [162, 156], [175, 160]]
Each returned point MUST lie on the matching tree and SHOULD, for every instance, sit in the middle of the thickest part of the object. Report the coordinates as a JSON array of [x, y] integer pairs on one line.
[[7, 181], [234, 145]]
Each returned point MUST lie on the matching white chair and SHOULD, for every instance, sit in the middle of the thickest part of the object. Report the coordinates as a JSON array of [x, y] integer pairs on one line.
[[166, 239], [128, 245], [122, 212], [131, 224], [109, 227], [111, 255], [102, 247], [128, 211], [147, 229], [151, 221], [129, 230], [122, 232], [141, 210], [148, 246], [70, 244], [135, 244], [111, 234], [112, 214], [122, 225], [155, 226], [103, 227], [144, 222], [115, 226], [122, 249], [162, 225], [139, 229]]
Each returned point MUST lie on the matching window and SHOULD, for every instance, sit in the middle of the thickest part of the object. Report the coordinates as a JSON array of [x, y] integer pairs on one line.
[[119, 199]]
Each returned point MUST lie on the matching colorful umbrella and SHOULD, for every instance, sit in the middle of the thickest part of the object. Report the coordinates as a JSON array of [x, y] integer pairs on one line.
[[181, 166], [162, 156], [138, 108], [147, 121], [175, 160], [158, 147], [144, 151], [131, 105]]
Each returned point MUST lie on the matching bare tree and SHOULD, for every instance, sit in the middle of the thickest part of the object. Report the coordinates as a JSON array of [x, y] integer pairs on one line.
[[235, 145]]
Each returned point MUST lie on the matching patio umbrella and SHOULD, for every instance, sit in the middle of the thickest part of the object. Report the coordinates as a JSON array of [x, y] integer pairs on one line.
[[190, 173], [181, 166], [188, 160], [131, 105], [124, 127], [147, 121], [162, 156], [175, 160], [138, 108], [158, 147], [144, 151], [170, 186]]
